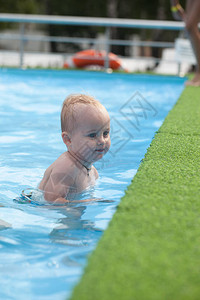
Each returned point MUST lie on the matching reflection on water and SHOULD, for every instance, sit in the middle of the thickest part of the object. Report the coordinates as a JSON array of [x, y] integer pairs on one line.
[[48, 243], [74, 231]]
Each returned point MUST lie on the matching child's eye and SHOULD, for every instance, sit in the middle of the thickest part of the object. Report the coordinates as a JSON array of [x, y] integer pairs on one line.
[[92, 135], [106, 133]]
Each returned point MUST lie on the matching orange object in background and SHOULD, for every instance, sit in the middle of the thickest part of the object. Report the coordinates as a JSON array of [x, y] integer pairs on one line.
[[93, 57]]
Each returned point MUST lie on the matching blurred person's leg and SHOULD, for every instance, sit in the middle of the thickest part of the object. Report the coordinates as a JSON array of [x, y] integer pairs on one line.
[[192, 18]]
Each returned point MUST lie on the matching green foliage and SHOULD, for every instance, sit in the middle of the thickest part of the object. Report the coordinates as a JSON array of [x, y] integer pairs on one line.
[[20, 6], [75, 8], [124, 8], [151, 248], [133, 9]]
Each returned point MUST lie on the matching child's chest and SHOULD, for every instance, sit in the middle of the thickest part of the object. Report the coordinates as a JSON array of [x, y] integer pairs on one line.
[[84, 180]]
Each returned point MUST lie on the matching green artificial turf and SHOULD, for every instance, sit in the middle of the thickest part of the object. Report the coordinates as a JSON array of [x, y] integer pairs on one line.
[[151, 249]]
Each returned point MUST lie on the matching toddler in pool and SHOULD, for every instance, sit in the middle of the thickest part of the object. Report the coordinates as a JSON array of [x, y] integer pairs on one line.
[[85, 125]]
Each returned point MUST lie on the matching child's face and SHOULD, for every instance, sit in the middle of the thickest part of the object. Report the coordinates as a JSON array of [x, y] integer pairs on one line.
[[90, 139]]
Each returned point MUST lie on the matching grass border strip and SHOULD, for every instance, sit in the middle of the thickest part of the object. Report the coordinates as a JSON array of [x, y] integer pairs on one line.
[[151, 249]]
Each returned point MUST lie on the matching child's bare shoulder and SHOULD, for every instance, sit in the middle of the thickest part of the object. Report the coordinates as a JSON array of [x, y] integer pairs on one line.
[[62, 165], [60, 171]]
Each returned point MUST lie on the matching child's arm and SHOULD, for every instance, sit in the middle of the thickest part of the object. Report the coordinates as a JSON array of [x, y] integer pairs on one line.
[[65, 201], [56, 188]]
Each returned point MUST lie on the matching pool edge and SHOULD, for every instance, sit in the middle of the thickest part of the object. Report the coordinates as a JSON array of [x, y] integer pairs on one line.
[[150, 249]]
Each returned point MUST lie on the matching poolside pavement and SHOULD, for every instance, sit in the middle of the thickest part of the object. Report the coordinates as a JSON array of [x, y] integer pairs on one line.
[[168, 65]]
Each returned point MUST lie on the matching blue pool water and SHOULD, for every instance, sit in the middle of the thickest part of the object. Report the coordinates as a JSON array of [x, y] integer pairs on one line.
[[43, 249]]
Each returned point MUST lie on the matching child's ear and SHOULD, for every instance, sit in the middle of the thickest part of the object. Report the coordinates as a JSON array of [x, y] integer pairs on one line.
[[66, 138]]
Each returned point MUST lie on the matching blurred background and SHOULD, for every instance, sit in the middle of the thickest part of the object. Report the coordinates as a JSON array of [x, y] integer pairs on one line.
[[129, 9]]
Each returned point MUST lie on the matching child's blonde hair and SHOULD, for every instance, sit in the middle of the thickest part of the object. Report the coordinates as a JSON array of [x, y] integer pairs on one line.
[[68, 116]]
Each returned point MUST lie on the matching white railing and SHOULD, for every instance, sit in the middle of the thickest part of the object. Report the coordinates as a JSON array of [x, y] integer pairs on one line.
[[107, 23]]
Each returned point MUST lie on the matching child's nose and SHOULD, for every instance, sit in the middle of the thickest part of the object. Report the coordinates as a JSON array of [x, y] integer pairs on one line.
[[100, 140]]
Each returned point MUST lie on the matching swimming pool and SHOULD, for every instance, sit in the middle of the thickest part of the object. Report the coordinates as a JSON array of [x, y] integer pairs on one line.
[[43, 249]]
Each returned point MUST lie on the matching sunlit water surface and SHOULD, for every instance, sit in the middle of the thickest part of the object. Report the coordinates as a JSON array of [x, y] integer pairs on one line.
[[43, 249]]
